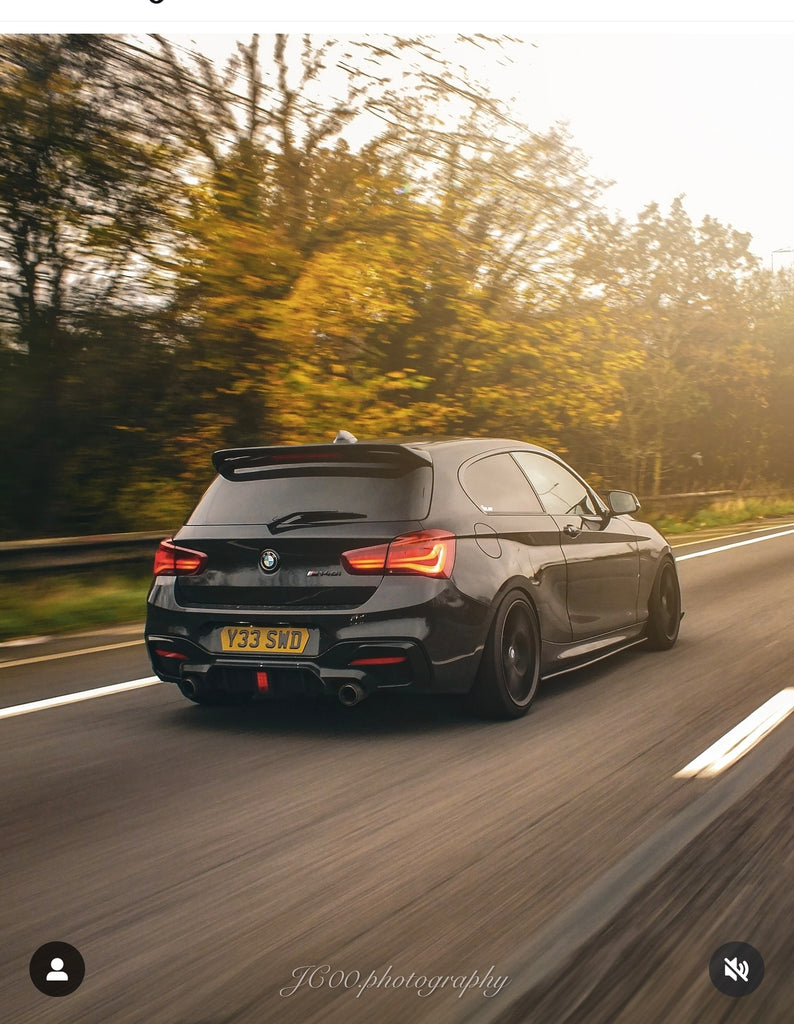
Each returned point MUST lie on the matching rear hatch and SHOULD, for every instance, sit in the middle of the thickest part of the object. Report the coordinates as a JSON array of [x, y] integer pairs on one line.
[[276, 521]]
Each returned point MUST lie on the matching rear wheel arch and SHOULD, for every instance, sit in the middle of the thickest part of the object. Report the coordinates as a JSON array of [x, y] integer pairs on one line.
[[518, 583]]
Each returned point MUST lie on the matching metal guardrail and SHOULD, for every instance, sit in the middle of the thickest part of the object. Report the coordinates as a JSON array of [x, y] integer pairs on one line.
[[688, 496], [63, 553], [60, 553]]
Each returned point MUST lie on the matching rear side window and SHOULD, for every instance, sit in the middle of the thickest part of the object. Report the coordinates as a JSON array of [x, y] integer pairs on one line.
[[316, 495], [560, 491], [497, 486]]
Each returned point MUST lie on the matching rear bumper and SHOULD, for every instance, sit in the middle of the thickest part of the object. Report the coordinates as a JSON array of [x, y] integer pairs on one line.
[[391, 665], [431, 647]]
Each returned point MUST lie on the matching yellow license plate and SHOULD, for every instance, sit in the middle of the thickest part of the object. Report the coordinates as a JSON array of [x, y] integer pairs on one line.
[[256, 640]]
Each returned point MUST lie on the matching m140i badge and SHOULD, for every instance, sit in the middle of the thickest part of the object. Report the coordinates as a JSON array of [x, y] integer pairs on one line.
[[323, 572], [269, 560]]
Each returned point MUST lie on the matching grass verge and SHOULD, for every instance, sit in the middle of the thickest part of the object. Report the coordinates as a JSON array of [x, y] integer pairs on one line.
[[36, 604], [32, 605], [737, 512]]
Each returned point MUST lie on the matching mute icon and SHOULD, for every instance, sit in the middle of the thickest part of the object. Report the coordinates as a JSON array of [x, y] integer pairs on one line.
[[736, 969]]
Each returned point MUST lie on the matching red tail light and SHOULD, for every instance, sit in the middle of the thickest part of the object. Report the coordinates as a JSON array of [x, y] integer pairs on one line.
[[171, 560], [176, 655], [369, 561], [427, 553]]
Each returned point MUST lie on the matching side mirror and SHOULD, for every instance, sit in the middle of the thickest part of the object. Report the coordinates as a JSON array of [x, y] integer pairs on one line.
[[622, 503]]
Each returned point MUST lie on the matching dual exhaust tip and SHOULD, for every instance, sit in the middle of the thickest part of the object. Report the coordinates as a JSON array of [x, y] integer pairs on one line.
[[349, 694]]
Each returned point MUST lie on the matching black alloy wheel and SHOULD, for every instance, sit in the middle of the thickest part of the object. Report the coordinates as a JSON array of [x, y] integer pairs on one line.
[[510, 669], [664, 608]]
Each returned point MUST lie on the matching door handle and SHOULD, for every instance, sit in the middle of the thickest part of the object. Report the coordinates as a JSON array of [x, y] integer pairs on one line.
[[571, 530]]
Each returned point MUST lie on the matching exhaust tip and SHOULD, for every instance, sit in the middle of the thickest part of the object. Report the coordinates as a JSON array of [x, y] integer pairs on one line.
[[351, 694], [190, 687]]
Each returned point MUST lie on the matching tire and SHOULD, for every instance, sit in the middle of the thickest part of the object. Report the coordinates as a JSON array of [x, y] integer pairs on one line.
[[664, 608], [509, 672]]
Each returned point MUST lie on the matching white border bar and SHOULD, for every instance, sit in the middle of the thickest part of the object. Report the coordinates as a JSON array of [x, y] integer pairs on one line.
[[537, 15]]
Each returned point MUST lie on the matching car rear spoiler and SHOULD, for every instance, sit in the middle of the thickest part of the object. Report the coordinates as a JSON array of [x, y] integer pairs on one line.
[[391, 460]]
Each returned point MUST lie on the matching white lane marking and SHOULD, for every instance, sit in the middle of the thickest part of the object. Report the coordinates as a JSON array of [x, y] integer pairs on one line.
[[727, 536], [736, 743], [132, 643], [26, 641], [728, 547], [68, 654], [74, 698]]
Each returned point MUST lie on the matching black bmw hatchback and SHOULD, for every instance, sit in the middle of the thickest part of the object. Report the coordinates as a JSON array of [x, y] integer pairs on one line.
[[464, 566]]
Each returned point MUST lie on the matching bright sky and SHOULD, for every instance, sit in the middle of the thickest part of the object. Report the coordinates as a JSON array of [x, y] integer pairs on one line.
[[664, 107], [702, 113], [660, 113]]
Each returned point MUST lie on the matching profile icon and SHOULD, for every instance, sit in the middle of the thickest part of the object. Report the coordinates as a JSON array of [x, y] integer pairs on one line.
[[57, 969], [56, 972]]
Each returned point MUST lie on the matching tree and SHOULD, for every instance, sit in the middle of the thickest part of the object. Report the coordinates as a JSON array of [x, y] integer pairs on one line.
[[438, 248], [679, 290], [770, 299], [83, 201]]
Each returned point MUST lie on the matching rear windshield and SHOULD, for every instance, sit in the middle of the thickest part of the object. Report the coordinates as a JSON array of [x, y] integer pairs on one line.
[[316, 496]]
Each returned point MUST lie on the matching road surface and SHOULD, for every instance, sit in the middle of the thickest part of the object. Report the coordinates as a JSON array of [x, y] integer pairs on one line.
[[206, 861]]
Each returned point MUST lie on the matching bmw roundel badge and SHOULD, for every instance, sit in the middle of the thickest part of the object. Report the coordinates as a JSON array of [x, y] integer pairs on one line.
[[268, 560]]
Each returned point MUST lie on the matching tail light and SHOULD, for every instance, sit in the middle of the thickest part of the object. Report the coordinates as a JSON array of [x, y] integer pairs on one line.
[[366, 561], [175, 655], [172, 560], [427, 553]]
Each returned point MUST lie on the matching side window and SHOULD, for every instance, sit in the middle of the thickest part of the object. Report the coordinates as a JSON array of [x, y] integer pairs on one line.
[[496, 485], [558, 489]]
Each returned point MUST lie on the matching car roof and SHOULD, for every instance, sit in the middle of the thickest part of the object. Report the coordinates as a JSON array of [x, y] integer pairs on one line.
[[430, 449], [444, 454], [462, 446]]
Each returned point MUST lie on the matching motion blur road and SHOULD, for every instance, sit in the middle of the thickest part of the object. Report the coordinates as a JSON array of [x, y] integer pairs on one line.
[[200, 858]]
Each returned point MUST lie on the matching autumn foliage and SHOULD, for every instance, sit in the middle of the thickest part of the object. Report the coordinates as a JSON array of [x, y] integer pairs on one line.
[[325, 235]]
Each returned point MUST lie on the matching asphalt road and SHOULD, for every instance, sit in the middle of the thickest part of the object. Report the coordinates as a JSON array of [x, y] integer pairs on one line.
[[201, 859]]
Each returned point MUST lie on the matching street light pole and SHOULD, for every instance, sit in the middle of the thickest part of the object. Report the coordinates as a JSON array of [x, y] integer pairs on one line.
[[774, 252]]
